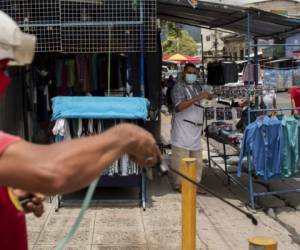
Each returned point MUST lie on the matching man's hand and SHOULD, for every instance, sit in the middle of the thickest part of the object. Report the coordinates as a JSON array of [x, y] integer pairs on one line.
[[142, 148], [34, 206], [204, 95]]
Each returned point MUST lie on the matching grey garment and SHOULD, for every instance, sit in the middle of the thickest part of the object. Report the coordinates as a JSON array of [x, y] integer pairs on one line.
[[185, 134], [183, 91]]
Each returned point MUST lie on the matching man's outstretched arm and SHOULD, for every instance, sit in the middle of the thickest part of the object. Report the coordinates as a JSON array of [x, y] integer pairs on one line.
[[71, 165]]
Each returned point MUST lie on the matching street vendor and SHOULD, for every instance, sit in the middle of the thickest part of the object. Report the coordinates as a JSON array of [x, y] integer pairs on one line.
[[187, 122], [52, 169]]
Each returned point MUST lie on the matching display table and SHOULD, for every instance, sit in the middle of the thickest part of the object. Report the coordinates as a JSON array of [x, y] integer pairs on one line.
[[211, 158]]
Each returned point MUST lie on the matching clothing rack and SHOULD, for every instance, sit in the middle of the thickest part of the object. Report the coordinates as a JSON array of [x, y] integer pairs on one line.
[[105, 108], [276, 68], [252, 193]]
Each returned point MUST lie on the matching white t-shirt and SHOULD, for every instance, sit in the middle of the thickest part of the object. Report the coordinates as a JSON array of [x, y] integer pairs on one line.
[[268, 98]]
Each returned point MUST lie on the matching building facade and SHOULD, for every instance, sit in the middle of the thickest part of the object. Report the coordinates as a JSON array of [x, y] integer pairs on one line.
[[212, 42], [290, 8], [235, 45]]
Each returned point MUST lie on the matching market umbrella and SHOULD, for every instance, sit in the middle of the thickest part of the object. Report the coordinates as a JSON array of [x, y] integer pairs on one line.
[[165, 57], [192, 59], [184, 59]]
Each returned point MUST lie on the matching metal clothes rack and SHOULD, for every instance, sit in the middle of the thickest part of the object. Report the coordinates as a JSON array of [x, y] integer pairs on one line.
[[137, 111], [252, 193]]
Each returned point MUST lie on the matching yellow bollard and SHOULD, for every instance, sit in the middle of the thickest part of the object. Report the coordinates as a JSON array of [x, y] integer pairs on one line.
[[262, 243], [188, 192]]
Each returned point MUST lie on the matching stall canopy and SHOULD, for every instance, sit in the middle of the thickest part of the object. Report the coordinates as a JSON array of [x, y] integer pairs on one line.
[[232, 18]]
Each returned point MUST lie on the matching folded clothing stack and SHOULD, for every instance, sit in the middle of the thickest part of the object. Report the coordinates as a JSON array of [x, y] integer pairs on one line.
[[224, 131]]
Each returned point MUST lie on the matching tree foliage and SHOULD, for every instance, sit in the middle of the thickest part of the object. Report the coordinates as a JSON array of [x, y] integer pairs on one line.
[[177, 40]]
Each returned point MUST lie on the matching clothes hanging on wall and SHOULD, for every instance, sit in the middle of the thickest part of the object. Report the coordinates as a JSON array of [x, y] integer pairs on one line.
[[69, 75]]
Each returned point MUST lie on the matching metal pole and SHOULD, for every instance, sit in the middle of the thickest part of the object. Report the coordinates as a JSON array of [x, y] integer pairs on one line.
[[202, 56], [188, 191], [25, 106], [207, 139], [256, 70], [249, 105], [142, 56]]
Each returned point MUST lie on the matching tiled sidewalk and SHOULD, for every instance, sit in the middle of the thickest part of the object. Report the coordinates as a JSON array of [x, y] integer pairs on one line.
[[159, 227], [219, 227]]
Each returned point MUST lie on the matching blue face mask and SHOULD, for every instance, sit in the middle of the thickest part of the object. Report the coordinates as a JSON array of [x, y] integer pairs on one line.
[[190, 78]]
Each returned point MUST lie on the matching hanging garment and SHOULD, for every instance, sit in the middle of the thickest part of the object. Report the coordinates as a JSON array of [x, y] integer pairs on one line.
[[270, 77], [94, 72], [58, 72], [280, 77], [245, 73], [290, 150], [63, 89], [264, 141], [82, 64], [71, 72], [288, 78], [61, 128], [215, 75], [269, 99], [41, 80], [230, 72]]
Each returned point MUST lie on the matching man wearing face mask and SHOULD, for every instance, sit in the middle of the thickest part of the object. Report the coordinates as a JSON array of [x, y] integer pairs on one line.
[[52, 169], [187, 122]]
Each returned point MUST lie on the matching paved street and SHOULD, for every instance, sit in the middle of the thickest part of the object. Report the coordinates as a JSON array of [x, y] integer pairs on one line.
[[219, 227]]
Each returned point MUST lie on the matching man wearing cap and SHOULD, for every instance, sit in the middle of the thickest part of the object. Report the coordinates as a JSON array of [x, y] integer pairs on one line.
[[57, 168]]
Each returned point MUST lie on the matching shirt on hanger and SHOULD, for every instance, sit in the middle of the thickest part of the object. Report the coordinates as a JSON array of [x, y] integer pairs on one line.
[[290, 150], [263, 140]]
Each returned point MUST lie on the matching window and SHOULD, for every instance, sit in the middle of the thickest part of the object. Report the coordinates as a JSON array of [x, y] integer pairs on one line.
[[208, 38]]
